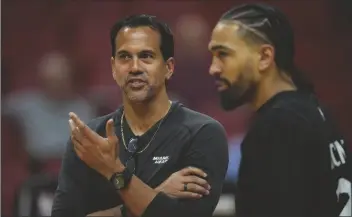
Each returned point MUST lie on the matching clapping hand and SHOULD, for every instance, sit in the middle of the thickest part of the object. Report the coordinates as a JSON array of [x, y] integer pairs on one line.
[[96, 151]]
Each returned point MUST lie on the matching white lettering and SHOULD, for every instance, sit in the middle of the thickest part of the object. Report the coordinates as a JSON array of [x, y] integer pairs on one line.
[[160, 160], [336, 147]]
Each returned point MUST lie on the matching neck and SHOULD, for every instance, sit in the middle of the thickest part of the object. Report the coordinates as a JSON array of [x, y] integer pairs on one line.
[[269, 87], [143, 115]]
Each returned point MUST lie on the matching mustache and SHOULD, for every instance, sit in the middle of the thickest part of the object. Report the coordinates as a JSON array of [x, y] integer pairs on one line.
[[139, 75], [223, 80]]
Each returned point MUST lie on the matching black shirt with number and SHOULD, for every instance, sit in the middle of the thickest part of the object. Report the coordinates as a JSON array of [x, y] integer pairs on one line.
[[294, 162], [185, 138]]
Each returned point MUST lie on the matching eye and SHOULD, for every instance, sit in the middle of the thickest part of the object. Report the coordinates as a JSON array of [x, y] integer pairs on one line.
[[124, 56], [222, 54], [146, 55]]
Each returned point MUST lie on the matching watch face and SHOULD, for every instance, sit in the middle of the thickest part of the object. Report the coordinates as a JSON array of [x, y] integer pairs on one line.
[[119, 181]]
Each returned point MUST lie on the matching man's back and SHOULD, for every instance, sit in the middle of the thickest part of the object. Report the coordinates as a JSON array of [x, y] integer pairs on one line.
[[293, 158]]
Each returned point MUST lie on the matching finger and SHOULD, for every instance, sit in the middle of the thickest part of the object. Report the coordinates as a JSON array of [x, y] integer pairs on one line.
[[110, 129], [79, 149], [197, 180], [187, 194], [110, 132], [77, 121], [194, 188], [193, 171], [83, 128], [75, 133], [77, 144], [79, 154], [71, 124]]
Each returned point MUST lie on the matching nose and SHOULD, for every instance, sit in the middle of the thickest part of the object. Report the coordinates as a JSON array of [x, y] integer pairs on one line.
[[135, 65], [214, 68]]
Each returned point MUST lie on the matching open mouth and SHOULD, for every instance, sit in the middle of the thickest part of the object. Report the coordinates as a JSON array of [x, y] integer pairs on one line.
[[136, 83], [220, 85]]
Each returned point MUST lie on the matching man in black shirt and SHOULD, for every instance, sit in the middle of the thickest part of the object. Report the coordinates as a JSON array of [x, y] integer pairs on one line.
[[294, 161], [125, 157]]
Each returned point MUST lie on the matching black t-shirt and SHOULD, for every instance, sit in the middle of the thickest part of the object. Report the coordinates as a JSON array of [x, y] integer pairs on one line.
[[294, 161], [185, 138]]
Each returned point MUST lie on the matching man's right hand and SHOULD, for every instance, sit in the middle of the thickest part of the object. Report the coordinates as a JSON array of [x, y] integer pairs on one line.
[[187, 183]]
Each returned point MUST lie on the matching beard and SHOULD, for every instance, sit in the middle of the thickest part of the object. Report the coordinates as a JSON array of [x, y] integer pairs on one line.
[[230, 99], [236, 95]]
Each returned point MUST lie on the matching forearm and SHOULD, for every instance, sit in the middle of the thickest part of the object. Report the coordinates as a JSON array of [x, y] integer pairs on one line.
[[113, 212], [141, 200], [137, 196], [163, 205], [147, 204]]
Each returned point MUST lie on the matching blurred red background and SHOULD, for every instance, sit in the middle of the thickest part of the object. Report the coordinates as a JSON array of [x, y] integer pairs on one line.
[[80, 30]]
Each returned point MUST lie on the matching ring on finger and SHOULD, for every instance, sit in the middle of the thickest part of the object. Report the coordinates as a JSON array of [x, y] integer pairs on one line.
[[185, 187]]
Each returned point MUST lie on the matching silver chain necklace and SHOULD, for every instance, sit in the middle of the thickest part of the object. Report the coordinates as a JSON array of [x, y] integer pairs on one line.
[[145, 148]]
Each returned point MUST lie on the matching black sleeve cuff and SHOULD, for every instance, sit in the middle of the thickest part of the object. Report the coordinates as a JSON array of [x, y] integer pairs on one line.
[[161, 205]]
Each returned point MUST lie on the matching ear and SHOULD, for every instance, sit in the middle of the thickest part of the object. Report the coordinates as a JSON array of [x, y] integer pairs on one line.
[[113, 68], [266, 57], [170, 67]]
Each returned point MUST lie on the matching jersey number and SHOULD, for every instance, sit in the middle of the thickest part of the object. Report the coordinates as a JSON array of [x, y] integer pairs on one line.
[[343, 190], [344, 197]]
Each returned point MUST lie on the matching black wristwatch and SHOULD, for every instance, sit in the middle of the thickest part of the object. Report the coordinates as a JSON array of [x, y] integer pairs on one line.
[[121, 180]]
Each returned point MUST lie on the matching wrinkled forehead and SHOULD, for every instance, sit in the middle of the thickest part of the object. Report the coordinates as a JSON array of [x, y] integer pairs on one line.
[[137, 38]]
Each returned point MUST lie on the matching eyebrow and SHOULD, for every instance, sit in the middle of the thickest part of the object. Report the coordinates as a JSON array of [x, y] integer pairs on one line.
[[147, 51], [122, 52], [142, 51], [219, 47]]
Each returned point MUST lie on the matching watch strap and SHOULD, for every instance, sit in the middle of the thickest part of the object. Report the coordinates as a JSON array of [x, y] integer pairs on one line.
[[127, 176]]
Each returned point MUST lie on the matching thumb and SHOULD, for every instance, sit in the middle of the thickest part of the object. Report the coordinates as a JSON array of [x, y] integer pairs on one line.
[[110, 132]]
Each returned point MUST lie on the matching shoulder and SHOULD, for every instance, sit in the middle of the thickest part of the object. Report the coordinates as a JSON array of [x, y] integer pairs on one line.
[[196, 122], [295, 109], [206, 133], [292, 121], [208, 144], [301, 106]]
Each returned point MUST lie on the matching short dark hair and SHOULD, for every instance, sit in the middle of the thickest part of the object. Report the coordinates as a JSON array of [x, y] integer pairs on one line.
[[166, 36], [261, 23]]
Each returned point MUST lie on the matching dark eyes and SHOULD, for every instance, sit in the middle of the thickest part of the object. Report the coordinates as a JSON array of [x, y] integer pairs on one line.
[[146, 55], [221, 54], [143, 55], [124, 56]]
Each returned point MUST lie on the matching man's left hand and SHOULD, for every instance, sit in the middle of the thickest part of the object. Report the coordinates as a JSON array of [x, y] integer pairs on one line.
[[96, 151]]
